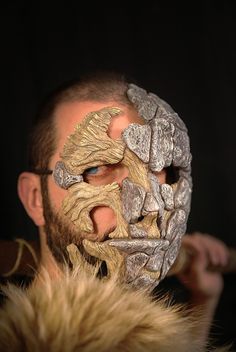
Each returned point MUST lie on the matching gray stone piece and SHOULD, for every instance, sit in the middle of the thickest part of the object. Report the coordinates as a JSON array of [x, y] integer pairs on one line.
[[163, 107], [165, 110], [182, 197], [155, 261], [148, 109], [170, 256], [136, 232], [181, 153], [144, 281], [167, 196], [134, 263], [177, 121], [63, 178], [155, 188], [132, 196], [144, 103], [136, 93], [186, 173], [150, 105], [138, 139], [176, 224], [150, 204], [147, 246], [161, 152]]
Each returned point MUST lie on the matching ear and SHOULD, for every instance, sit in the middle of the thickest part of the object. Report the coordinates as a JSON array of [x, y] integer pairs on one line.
[[29, 191]]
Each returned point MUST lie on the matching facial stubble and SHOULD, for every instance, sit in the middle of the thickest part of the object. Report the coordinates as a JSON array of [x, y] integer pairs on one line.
[[60, 231]]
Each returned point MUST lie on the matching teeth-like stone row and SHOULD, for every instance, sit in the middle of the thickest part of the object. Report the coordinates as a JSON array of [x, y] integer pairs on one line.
[[147, 246]]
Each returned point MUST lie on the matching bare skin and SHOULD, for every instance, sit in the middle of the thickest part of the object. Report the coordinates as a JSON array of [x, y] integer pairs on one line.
[[205, 286], [67, 116]]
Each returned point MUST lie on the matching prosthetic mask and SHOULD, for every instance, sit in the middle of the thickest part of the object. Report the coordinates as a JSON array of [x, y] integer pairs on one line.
[[151, 217]]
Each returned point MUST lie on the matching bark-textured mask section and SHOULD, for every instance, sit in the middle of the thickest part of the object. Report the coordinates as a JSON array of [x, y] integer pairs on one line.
[[90, 146], [151, 217]]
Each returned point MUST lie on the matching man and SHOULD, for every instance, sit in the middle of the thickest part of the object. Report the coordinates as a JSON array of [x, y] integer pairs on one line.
[[110, 186]]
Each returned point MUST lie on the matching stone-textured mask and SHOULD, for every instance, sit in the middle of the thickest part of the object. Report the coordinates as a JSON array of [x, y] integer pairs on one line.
[[151, 217]]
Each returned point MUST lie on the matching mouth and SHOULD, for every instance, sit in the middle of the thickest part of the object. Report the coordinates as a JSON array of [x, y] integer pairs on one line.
[[134, 261], [143, 252]]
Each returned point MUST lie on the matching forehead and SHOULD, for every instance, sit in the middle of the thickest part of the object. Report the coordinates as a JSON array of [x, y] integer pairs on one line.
[[68, 115]]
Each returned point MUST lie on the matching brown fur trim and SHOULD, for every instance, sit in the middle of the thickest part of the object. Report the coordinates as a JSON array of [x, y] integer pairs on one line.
[[77, 313]]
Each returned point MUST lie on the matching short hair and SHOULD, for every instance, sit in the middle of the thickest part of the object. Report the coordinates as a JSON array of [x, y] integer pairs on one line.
[[99, 86]]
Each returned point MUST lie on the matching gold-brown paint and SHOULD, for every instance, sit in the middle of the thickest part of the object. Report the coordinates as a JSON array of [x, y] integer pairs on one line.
[[90, 146]]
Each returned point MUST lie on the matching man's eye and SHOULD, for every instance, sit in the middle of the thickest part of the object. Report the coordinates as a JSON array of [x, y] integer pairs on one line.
[[99, 175], [91, 170]]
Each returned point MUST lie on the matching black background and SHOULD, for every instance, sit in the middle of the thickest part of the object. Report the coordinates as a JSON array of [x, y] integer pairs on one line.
[[184, 53]]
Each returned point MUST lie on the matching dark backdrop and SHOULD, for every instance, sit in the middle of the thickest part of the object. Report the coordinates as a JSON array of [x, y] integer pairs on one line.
[[185, 54]]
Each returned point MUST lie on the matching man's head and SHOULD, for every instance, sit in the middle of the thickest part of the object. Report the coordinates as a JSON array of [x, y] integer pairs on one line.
[[143, 159]]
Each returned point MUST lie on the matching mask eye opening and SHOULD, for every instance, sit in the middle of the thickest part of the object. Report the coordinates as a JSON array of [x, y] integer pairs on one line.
[[172, 174]]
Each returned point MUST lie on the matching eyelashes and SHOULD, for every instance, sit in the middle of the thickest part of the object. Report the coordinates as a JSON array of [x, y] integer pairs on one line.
[[91, 171], [99, 175]]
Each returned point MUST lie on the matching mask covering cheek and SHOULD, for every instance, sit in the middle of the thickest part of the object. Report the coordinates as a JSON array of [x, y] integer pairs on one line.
[[151, 217]]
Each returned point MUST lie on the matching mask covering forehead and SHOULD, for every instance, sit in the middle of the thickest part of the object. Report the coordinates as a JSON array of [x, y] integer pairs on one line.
[[151, 217]]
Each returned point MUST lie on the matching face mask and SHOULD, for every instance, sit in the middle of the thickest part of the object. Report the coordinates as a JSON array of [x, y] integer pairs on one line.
[[151, 217]]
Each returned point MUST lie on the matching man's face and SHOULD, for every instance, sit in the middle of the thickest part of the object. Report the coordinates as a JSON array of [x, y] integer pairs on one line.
[[121, 186], [67, 116]]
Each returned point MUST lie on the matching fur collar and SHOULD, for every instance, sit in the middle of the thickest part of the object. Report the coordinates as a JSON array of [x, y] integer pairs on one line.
[[79, 313]]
